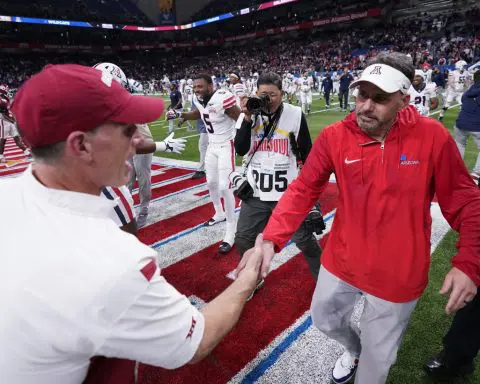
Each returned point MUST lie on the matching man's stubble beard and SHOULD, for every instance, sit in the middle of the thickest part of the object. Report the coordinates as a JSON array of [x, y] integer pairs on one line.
[[376, 128]]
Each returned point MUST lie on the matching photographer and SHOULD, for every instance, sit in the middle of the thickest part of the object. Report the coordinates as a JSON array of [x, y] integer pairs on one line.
[[275, 137]]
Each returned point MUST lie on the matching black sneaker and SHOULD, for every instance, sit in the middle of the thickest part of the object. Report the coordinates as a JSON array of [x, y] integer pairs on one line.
[[439, 368], [198, 175]]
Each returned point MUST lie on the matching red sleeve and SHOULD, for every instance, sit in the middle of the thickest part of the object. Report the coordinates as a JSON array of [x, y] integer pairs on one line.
[[459, 200], [301, 195], [229, 102]]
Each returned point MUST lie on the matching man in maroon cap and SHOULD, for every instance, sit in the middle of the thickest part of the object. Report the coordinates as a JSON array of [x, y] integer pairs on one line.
[[72, 284]]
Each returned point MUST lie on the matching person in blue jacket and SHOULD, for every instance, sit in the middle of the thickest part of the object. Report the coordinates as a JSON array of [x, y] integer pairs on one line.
[[327, 86], [462, 341], [468, 121]]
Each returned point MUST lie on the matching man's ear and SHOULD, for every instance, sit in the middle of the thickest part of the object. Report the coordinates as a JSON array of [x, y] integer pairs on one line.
[[405, 101], [78, 144]]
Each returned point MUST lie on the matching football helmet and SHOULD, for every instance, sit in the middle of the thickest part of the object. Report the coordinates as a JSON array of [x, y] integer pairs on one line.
[[4, 89], [135, 86], [113, 70], [461, 64]]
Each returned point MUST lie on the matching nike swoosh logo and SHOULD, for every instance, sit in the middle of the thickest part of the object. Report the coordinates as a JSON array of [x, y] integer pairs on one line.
[[351, 161]]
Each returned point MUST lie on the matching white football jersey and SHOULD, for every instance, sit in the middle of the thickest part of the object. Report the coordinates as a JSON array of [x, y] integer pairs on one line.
[[273, 165], [188, 90], [220, 127], [459, 81], [123, 212], [306, 84], [254, 86], [183, 82], [421, 99], [427, 76], [239, 90]]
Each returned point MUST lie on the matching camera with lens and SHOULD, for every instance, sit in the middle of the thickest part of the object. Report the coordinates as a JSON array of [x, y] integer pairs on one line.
[[241, 187], [255, 104]]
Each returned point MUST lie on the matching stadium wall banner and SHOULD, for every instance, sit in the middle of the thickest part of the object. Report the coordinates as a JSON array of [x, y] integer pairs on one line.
[[163, 4], [375, 12]]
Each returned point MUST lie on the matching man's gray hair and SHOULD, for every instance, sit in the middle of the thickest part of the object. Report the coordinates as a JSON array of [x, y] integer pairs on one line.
[[49, 153], [396, 60]]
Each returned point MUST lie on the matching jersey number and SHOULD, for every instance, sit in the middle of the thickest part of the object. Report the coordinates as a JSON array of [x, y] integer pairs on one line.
[[420, 100], [266, 182], [206, 119], [461, 79]]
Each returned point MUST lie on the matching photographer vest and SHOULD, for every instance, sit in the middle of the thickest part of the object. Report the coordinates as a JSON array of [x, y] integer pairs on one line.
[[273, 165]]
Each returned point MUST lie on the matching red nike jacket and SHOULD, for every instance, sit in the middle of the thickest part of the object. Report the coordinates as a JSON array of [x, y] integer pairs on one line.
[[380, 238]]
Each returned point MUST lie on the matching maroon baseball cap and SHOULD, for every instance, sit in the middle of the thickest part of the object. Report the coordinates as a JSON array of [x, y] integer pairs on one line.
[[65, 98]]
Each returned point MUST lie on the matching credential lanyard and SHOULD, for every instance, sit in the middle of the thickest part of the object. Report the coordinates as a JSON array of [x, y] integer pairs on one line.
[[271, 127]]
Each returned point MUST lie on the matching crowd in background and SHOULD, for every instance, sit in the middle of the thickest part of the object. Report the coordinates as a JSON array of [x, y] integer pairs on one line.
[[318, 52], [439, 39]]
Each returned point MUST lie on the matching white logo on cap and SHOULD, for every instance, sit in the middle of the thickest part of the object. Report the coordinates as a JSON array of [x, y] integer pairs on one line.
[[377, 70], [107, 79]]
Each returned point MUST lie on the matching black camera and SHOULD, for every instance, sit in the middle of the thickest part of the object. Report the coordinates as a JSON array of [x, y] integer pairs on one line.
[[241, 187], [257, 104]]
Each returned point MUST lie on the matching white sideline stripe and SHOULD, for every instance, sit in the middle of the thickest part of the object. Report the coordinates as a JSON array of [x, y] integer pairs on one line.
[[451, 107]]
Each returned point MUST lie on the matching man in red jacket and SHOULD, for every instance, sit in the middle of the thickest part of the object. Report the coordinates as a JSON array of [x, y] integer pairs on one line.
[[389, 163]]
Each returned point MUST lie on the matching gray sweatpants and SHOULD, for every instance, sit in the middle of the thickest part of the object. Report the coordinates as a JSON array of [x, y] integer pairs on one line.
[[202, 148], [141, 171], [253, 218], [382, 325], [461, 137]]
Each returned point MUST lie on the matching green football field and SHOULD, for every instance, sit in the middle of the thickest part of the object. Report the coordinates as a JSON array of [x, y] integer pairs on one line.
[[429, 322]]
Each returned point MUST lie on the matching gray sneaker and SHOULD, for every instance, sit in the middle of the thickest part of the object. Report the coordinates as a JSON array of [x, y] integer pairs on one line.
[[142, 219]]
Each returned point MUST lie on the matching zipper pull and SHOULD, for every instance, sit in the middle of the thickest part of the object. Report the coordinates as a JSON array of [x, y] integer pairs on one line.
[[382, 146]]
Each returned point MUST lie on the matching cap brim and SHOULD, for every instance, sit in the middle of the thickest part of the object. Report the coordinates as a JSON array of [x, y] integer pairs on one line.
[[384, 87], [140, 110]]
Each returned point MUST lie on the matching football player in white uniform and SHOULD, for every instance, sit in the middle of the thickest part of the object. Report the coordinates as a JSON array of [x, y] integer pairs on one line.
[[336, 82], [237, 87], [181, 87], [458, 82], [306, 85], [135, 86], [426, 73], [291, 87], [254, 80], [189, 91], [423, 96], [141, 162], [7, 124], [219, 111]]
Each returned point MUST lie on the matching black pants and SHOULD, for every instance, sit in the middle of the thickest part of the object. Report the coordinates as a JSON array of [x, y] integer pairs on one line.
[[343, 99], [327, 97], [254, 215], [462, 342]]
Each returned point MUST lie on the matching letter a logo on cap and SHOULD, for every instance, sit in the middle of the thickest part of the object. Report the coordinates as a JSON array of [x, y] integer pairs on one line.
[[377, 70], [107, 79]]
